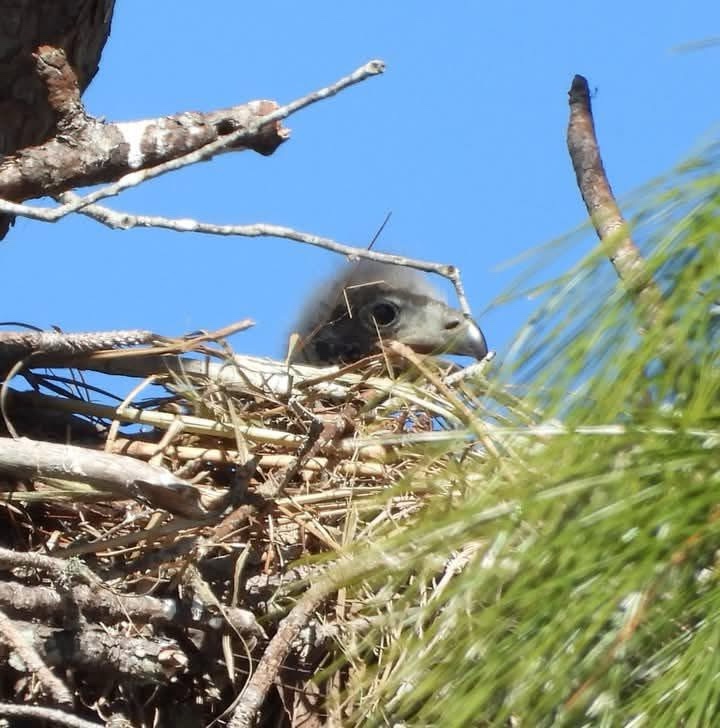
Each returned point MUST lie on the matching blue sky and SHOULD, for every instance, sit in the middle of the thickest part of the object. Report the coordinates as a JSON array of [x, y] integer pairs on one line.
[[462, 139]]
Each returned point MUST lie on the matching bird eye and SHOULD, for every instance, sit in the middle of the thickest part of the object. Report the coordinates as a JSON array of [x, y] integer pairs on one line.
[[384, 314]]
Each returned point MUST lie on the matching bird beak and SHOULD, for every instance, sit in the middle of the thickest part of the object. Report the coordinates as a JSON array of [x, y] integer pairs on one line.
[[436, 328], [468, 341]]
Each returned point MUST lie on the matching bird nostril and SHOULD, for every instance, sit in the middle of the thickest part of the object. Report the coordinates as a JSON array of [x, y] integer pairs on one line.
[[452, 324]]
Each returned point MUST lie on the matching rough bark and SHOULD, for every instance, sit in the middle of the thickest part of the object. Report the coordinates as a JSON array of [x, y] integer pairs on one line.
[[79, 27], [109, 655], [602, 207]]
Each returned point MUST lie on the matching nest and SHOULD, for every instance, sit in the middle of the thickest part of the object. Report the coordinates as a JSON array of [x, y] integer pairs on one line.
[[158, 529]]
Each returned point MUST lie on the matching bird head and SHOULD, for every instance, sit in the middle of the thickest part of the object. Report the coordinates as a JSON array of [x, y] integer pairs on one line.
[[349, 317]]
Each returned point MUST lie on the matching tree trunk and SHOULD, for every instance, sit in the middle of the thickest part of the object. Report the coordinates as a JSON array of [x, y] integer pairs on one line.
[[79, 27]]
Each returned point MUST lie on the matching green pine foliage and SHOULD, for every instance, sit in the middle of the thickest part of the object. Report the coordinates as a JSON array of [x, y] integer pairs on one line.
[[566, 570]]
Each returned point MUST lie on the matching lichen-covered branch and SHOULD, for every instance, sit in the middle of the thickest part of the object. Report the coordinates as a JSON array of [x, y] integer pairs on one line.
[[15, 344]]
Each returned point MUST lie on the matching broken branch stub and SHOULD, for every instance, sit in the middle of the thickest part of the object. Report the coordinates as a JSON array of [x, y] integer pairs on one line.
[[605, 214]]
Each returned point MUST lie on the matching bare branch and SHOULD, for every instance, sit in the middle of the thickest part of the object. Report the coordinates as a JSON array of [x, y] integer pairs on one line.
[[94, 601], [241, 136], [106, 652], [600, 201], [152, 147], [125, 221], [125, 476], [62, 569], [16, 344], [87, 151], [51, 348], [253, 695]]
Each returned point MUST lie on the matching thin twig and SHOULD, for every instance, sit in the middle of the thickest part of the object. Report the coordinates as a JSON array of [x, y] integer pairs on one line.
[[124, 221], [253, 695], [74, 203], [372, 68]]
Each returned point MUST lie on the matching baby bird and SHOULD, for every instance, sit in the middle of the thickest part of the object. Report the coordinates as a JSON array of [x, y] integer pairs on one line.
[[350, 316]]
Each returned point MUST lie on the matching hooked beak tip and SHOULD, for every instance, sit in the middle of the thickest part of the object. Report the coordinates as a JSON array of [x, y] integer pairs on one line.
[[473, 343]]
